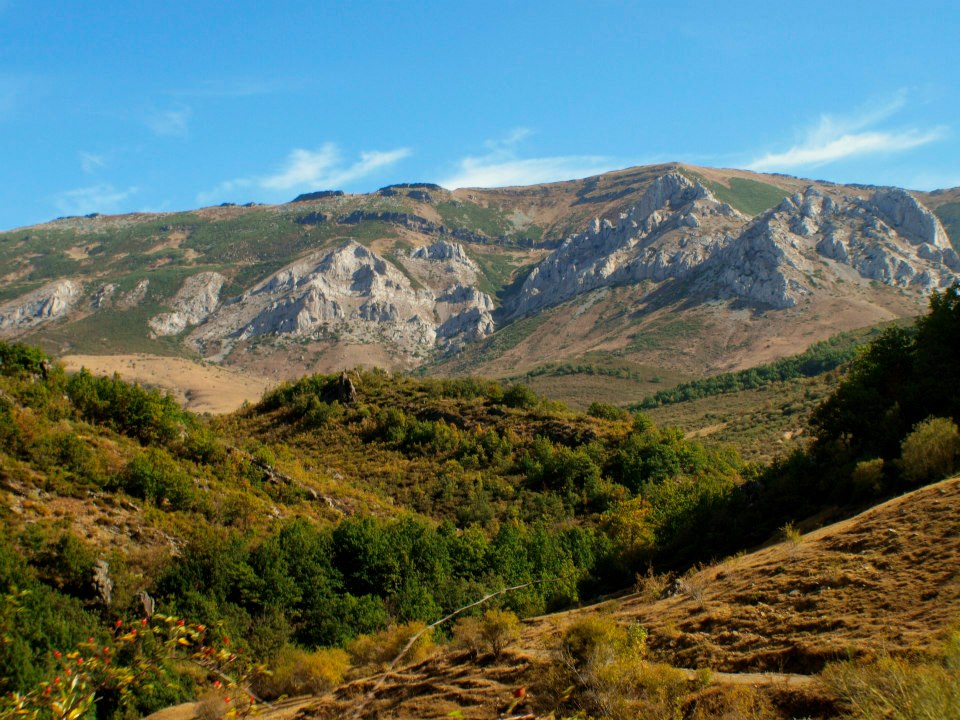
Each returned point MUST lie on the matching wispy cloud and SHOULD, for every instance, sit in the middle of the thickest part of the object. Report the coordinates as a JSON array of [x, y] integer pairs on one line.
[[836, 138], [103, 197], [173, 123], [90, 163], [310, 169], [501, 166], [324, 167]]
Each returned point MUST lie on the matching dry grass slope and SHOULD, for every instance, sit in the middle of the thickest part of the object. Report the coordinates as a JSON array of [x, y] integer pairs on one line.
[[885, 581]]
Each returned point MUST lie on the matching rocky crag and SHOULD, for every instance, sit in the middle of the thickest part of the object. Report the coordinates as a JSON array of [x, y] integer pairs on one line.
[[354, 294], [680, 231]]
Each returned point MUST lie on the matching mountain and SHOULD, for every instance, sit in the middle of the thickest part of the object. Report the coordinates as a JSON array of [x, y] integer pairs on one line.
[[667, 270]]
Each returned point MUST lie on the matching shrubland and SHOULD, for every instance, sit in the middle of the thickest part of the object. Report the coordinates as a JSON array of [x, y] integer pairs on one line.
[[322, 521]]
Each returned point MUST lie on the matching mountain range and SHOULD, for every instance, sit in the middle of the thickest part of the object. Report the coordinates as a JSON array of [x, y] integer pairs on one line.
[[660, 269]]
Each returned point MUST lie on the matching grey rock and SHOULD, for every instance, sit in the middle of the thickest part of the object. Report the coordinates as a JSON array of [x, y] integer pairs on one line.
[[195, 300], [912, 221], [51, 302], [353, 294]]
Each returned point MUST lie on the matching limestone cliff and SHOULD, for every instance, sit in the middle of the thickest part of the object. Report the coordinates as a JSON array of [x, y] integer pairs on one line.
[[197, 298], [680, 231], [350, 293], [50, 302]]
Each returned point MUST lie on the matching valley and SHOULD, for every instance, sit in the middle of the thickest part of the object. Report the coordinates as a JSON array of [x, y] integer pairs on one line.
[[698, 420]]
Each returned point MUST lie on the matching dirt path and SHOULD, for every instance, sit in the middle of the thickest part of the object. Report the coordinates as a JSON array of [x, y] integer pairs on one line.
[[274, 711]]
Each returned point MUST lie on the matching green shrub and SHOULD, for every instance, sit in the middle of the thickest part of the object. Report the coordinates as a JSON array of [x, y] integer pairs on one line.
[[155, 476], [605, 411], [930, 451], [520, 396], [867, 477], [19, 360]]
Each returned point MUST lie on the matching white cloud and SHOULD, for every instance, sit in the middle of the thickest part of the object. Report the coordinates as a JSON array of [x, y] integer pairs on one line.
[[481, 172], [310, 169], [174, 123], [95, 198], [323, 168], [836, 138], [501, 167], [224, 190], [90, 162]]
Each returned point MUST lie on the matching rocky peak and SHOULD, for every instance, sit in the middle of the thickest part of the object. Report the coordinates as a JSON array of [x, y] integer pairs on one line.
[[912, 221], [442, 250], [671, 190], [356, 295], [666, 234], [890, 238]]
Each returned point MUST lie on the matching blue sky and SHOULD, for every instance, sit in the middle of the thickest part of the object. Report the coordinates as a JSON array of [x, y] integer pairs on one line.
[[120, 106]]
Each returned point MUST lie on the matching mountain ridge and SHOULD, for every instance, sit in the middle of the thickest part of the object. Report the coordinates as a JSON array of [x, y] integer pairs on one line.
[[414, 275]]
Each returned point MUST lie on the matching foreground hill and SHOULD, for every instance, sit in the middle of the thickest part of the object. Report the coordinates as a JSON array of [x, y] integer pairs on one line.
[[662, 271], [883, 582], [320, 529]]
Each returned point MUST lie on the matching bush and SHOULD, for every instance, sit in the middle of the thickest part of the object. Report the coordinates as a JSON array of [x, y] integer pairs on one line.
[[375, 652], [299, 672], [155, 476], [19, 360], [605, 411], [520, 396], [600, 670], [468, 635], [867, 477], [896, 689], [499, 628], [929, 452]]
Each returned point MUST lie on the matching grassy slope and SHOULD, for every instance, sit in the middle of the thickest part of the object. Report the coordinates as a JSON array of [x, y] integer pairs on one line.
[[749, 196], [884, 579], [949, 214], [763, 423]]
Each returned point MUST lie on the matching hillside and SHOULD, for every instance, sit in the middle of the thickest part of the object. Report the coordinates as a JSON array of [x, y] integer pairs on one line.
[[884, 581], [671, 271], [320, 529]]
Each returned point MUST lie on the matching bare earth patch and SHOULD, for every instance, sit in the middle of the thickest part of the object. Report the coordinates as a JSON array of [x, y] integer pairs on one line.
[[200, 387]]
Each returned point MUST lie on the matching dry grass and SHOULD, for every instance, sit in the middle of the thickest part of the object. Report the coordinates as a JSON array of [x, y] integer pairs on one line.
[[200, 387], [884, 579], [875, 587]]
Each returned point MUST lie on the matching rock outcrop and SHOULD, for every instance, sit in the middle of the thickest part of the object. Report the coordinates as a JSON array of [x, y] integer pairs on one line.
[[812, 238], [679, 230], [674, 227], [195, 300], [352, 294], [50, 302]]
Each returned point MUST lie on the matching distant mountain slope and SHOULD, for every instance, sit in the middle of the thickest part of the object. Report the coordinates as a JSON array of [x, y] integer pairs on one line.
[[689, 269]]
